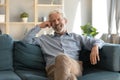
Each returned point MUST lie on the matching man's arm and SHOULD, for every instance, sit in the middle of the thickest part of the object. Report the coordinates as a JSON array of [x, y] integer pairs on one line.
[[94, 45], [30, 37], [94, 55]]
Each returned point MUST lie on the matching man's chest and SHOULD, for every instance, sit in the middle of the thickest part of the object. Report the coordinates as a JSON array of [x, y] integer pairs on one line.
[[66, 43]]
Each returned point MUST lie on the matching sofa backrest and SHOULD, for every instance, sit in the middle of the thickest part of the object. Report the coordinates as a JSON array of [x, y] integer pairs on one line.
[[28, 56], [110, 57], [6, 54]]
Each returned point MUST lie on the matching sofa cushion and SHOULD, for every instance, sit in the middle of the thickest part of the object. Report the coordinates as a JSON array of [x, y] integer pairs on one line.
[[6, 56], [9, 75], [32, 74], [27, 56], [101, 75]]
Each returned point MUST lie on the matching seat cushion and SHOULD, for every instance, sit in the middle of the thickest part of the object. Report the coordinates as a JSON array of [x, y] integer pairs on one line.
[[32, 74], [96, 74], [27, 56], [6, 52], [9, 75]]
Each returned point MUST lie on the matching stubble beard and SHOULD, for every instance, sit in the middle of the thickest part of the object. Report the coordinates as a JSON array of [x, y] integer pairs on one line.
[[60, 28]]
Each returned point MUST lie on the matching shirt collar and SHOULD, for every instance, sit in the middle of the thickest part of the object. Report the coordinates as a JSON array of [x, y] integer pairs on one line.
[[55, 34]]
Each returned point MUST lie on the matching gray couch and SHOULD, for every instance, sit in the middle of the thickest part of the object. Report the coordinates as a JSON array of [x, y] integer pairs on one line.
[[21, 61]]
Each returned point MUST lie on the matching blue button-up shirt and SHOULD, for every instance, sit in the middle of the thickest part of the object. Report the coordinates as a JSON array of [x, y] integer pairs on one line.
[[53, 45]]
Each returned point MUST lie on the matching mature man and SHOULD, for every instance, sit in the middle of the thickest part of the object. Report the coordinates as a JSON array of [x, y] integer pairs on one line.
[[61, 49]]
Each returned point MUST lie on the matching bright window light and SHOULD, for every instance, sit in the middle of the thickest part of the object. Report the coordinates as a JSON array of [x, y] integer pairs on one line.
[[77, 20], [99, 16]]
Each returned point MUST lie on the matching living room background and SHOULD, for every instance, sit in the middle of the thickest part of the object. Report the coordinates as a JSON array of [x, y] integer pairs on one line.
[[16, 7]]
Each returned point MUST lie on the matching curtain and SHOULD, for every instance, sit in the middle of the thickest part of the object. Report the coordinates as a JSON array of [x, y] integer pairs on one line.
[[117, 16], [113, 14]]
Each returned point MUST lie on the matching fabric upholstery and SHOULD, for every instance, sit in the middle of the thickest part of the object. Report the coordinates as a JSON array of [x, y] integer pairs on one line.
[[9, 75], [6, 56], [27, 56], [32, 74], [29, 63], [110, 57], [101, 75]]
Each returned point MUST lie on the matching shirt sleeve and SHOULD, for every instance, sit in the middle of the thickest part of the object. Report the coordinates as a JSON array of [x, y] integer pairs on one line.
[[89, 42], [30, 36]]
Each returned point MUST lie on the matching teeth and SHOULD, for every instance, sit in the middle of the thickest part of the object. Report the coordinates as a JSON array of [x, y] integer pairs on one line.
[[58, 27]]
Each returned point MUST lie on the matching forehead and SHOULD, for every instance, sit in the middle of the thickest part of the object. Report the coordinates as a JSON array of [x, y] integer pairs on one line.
[[55, 16]]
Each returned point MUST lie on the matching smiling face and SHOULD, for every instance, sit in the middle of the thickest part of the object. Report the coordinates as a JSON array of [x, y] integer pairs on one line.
[[58, 22]]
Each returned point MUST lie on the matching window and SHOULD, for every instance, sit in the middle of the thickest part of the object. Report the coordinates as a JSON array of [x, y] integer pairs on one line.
[[99, 16]]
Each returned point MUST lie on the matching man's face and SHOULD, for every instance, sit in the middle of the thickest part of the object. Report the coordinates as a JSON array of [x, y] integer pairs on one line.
[[58, 23]]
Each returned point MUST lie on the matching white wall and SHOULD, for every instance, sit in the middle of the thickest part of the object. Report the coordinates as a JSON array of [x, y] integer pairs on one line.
[[70, 10], [70, 7], [86, 11]]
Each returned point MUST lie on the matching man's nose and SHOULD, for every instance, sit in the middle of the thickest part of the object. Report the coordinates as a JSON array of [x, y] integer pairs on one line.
[[56, 22]]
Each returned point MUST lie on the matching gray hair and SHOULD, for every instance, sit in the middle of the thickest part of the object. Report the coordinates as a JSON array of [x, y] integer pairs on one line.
[[58, 11]]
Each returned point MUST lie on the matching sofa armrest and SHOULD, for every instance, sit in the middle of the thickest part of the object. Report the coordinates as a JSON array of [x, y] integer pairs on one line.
[[110, 57]]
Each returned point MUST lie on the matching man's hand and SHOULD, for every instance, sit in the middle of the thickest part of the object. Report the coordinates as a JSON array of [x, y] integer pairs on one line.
[[45, 24], [94, 55]]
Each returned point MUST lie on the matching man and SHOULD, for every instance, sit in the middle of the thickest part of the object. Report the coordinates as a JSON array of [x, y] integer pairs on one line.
[[61, 49]]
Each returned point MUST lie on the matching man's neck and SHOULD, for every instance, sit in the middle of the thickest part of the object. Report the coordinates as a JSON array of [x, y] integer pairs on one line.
[[61, 33]]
